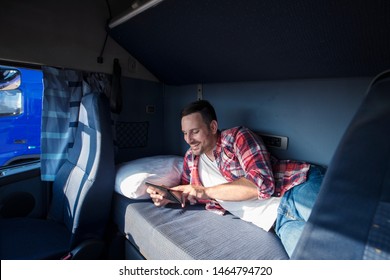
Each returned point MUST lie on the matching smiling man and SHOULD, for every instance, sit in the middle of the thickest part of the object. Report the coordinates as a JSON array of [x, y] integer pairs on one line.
[[232, 170]]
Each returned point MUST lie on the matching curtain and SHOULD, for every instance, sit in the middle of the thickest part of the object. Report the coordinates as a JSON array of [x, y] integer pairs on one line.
[[63, 91]]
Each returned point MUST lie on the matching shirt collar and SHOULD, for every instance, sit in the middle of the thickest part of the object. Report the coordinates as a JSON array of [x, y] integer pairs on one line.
[[218, 146]]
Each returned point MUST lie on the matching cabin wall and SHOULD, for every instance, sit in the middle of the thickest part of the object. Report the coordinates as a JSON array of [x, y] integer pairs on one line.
[[139, 95], [68, 34], [313, 114]]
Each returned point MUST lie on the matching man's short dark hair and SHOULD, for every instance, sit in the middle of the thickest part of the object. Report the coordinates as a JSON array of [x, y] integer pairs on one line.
[[203, 107]]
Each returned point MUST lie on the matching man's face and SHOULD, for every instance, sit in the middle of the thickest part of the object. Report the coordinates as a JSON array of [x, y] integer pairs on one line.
[[198, 134]]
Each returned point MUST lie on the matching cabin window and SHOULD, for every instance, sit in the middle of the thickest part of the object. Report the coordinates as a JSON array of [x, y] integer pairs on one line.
[[11, 98], [21, 91]]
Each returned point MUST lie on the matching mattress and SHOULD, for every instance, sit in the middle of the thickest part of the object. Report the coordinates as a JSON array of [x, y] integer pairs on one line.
[[192, 232]]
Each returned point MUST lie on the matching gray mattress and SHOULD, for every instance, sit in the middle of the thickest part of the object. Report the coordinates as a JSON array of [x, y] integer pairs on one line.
[[192, 233]]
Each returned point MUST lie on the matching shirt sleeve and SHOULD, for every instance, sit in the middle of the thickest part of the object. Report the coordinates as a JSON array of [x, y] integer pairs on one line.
[[255, 161]]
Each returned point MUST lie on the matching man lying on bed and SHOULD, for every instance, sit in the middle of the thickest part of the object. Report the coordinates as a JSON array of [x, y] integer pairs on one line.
[[233, 170]]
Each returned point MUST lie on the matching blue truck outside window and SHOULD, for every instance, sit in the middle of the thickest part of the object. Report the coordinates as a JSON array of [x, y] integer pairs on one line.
[[21, 91]]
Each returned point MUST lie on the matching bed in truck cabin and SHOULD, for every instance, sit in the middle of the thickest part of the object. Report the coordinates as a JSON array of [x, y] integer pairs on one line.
[[173, 232]]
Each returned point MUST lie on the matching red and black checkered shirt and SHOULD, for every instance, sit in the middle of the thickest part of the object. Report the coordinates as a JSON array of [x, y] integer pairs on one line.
[[241, 153]]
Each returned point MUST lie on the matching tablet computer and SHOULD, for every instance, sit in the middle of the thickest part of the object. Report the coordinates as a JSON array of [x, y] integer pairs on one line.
[[174, 196]]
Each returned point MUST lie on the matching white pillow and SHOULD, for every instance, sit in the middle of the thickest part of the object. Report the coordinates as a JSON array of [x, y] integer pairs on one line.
[[131, 176]]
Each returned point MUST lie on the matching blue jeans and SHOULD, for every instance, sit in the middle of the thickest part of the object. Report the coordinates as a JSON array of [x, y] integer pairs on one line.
[[295, 208]]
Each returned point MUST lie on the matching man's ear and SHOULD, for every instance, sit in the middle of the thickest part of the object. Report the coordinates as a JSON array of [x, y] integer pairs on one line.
[[214, 126]]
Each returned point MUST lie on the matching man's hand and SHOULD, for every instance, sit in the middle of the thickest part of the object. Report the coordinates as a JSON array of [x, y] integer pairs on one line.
[[238, 190], [192, 193], [157, 196]]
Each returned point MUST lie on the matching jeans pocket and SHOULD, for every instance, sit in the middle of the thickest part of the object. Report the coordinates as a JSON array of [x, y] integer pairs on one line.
[[285, 211]]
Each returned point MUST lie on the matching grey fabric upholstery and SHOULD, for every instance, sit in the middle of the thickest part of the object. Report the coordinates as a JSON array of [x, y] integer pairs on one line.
[[82, 193], [351, 218], [192, 233]]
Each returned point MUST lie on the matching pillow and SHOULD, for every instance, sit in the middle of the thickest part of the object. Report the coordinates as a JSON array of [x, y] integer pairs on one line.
[[161, 170]]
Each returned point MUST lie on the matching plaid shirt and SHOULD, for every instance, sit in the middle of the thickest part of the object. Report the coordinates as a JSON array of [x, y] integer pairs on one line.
[[241, 153]]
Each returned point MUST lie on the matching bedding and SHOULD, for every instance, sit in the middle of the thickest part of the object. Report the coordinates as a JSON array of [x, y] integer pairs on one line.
[[173, 232], [161, 170], [191, 233], [166, 170]]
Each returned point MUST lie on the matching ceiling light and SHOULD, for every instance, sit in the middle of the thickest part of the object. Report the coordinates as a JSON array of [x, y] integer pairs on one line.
[[136, 8]]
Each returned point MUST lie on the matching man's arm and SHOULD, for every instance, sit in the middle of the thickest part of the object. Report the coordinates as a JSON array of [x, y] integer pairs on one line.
[[255, 160], [238, 190]]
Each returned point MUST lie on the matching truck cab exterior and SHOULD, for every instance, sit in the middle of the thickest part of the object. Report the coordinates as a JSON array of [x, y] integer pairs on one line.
[[20, 114]]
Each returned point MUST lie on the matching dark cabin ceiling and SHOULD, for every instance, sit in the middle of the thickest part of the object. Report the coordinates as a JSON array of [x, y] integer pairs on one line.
[[208, 41]]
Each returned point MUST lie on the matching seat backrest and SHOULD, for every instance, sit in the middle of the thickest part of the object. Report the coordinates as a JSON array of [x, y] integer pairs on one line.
[[351, 217], [84, 184]]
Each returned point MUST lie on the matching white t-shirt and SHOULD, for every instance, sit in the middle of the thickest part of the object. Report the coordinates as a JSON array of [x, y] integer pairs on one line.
[[262, 213]]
